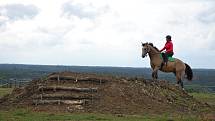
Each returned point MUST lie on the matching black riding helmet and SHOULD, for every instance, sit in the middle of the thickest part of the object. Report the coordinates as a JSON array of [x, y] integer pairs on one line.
[[168, 37]]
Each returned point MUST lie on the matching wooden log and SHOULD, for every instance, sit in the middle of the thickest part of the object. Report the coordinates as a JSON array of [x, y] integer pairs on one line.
[[61, 96], [68, 102], [67, 89], [75, 79]]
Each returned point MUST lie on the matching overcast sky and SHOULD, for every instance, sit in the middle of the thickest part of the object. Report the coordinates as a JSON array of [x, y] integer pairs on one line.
[[105, 32]]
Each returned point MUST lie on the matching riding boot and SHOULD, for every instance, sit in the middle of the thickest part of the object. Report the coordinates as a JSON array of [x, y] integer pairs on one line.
[[166, 58]]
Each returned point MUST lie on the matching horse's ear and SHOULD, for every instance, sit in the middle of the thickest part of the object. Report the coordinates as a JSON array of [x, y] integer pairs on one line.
[[151, 44], [143, 44]]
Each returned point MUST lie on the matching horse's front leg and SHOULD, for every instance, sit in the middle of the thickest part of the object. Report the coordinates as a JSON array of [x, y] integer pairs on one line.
[[155, 73]]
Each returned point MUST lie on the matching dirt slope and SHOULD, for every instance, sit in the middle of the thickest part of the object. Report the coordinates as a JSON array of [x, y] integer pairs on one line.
[[80, 92]]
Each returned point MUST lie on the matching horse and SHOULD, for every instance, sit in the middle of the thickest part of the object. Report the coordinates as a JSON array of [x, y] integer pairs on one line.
[[178, 67]]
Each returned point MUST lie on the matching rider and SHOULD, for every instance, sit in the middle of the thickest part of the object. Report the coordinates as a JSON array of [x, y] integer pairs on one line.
[[169, 48]]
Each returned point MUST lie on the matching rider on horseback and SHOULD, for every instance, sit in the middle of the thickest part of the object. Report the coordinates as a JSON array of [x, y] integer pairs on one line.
[[169, 49]]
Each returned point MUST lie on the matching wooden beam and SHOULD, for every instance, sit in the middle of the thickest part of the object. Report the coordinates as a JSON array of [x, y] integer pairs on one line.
[[68, 102], [62, 96], [75, 79], [63, 88]]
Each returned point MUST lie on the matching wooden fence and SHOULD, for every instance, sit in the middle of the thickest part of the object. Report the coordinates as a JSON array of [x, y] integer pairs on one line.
[[13, 83]]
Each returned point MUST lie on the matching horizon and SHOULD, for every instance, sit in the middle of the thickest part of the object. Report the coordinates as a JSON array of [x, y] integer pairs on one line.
[[89, 66]]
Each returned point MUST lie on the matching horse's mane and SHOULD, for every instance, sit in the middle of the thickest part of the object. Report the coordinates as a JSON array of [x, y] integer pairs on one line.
[[154, 46]]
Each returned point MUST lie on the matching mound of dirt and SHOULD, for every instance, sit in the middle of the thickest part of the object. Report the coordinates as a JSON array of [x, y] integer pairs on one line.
[[81, 92]]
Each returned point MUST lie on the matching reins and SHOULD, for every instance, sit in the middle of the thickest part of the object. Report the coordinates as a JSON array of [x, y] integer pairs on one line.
[[154, 53]]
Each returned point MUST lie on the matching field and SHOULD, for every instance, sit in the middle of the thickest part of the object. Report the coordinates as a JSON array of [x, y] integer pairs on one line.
[[4, 91], [205, 97], [28, 115]]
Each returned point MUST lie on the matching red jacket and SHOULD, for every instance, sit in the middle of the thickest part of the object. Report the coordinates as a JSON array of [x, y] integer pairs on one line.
[[168, 46]]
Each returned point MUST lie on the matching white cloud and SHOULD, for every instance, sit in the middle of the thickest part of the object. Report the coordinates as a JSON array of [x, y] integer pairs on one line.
[[13, 12], [100, 32], [82, 10]]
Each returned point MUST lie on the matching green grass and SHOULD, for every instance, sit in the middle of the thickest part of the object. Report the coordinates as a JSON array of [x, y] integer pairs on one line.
[[4, 91], [27, 115], [205, 97]]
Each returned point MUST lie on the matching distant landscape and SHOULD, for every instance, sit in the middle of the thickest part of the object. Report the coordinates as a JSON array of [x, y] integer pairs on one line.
[[204, 79]]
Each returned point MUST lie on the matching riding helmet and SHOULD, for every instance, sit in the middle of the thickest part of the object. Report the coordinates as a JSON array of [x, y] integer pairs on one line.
[[168, 37]]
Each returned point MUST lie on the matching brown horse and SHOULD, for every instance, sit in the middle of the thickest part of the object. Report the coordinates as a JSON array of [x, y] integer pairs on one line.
[[178, 67]]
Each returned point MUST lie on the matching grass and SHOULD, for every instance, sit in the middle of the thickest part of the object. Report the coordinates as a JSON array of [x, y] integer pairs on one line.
[[4, 91], [28, 115], [205, 97]]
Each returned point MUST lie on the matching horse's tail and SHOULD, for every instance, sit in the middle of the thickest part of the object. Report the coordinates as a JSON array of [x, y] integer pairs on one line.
[[188, 72]]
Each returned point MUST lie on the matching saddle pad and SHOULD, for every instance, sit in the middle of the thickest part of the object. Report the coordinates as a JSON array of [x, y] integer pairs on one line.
[[171, 59]]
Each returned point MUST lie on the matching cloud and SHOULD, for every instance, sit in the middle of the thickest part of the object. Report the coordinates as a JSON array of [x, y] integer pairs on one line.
[[207, 16], [211, 38], [81, 10], [13, 12]]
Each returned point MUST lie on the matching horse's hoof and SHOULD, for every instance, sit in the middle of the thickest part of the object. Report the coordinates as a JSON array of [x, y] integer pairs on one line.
[[183, 89]]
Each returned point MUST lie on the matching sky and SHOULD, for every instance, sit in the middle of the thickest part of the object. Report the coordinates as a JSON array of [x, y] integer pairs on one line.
[[105, 32]]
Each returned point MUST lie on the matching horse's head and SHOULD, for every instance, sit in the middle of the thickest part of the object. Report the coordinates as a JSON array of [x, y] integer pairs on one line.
[[149, 48], [145, 49]]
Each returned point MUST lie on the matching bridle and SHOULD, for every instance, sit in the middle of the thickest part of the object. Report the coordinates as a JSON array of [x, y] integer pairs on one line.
[[147, 50]]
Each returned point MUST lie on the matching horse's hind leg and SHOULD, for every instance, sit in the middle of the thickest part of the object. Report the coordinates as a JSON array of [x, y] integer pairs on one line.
[[182, 77], [179, 77], [182, 84]]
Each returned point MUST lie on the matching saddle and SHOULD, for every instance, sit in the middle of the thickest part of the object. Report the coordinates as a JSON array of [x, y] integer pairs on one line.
[[165, 59]]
